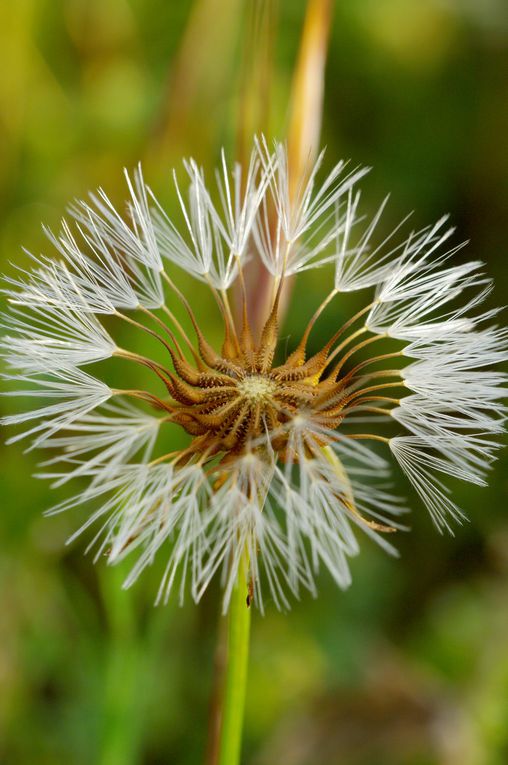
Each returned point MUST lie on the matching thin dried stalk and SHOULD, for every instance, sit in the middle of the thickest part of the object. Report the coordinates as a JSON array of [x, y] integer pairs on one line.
[[304, 127]]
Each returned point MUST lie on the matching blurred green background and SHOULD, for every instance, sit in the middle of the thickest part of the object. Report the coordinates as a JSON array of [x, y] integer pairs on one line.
[[410, 666]]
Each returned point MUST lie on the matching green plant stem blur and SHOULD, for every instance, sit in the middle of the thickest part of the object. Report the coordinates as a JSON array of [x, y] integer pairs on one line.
[[122, 712]]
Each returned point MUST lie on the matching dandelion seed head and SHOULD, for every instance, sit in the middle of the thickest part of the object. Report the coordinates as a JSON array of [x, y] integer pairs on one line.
[[289, 455]]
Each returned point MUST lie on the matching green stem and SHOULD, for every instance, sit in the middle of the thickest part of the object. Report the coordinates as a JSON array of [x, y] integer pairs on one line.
[[236, 672]]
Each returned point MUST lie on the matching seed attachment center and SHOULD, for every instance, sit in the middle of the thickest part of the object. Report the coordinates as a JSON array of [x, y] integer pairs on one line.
[[256, 388]]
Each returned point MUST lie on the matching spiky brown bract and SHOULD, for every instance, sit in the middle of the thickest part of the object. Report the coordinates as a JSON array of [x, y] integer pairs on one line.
[[239, 396]]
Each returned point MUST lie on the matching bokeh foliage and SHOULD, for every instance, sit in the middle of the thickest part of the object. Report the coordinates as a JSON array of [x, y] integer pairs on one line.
[[410, 666]]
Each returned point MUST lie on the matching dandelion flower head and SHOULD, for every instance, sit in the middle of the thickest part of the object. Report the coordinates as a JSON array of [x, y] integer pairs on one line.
[[288, 454]]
